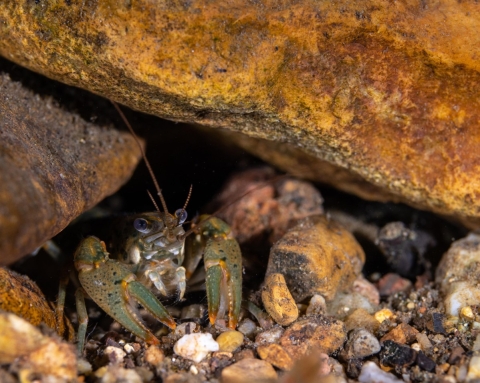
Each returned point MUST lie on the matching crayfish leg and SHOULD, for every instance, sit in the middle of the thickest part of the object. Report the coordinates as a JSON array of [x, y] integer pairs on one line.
[[82, 319], [223, 265]]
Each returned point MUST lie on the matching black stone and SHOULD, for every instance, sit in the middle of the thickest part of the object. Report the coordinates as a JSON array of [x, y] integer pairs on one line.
[[394, 354], [435, 323], [425, 363]]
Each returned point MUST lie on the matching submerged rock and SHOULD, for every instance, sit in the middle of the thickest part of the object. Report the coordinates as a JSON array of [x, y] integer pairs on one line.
[[384, 92], [53, 166], [317, 256]]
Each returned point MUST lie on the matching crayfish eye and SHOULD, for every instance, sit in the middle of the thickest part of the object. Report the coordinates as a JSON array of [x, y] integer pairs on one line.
[[142, 225], [181, 215]]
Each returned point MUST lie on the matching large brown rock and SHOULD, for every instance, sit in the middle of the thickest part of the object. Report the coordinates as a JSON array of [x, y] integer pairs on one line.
[[53, 166], [386, 90]]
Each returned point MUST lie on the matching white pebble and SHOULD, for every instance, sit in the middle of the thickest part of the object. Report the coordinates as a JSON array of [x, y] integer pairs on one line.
[[456, 274], [195, 346], [371, 373], [115, 354], [128, 348]]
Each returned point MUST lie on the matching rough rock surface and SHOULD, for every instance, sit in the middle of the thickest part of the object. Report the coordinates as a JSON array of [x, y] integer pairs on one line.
[[53, 166], [317, 256], [385, 90]]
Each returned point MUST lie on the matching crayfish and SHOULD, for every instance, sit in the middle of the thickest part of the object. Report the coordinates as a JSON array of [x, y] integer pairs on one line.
[[148, 259]]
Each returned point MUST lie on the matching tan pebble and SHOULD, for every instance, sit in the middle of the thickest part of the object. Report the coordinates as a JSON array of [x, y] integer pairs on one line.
[[278, 301], [383, 314], [276, 355], [320, 333], [424, 342], [312, 368], [154, 356], [361, 318], [244, 354], [317, 305], [249, 370], [403, 333], [309, 256], [229, 341], [115, 373]]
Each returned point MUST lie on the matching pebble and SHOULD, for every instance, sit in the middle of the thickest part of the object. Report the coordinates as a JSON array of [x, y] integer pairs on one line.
[[435, 323], [383, 315], [309, 255], [458, 274], [474, 368], [361, 343], [276, 355], [247, 327], [425, 363], [394, 354], [321, 333], [229, 341], [403, 334], [314, 368], [185, 329], [249, 370], [361, 318], [346, 303], [154, 356], [245, 354], [424, 342], [392, 283], [114, 374], [366, 289], [269, 336], [317, 305], [83, 367], [115, 355], [371, 373], [278, 301], [195, 346]]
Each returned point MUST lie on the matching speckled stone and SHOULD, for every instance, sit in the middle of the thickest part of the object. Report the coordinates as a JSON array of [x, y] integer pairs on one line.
[[276, 355], [278, 301], [319, 333]]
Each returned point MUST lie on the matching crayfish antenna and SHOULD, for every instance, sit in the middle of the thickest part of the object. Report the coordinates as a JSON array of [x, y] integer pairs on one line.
[[213, 215], [149, 167]]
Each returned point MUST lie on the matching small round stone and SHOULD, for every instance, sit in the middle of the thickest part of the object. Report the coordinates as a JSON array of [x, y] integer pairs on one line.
[[229, 341], [249, 370], [361, 343]]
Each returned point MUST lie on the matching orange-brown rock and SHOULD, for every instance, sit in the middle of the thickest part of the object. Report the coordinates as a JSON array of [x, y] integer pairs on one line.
[[317, 256], [386, 90], [32, 351], [314, 333], [53, 166], [21, 296]]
